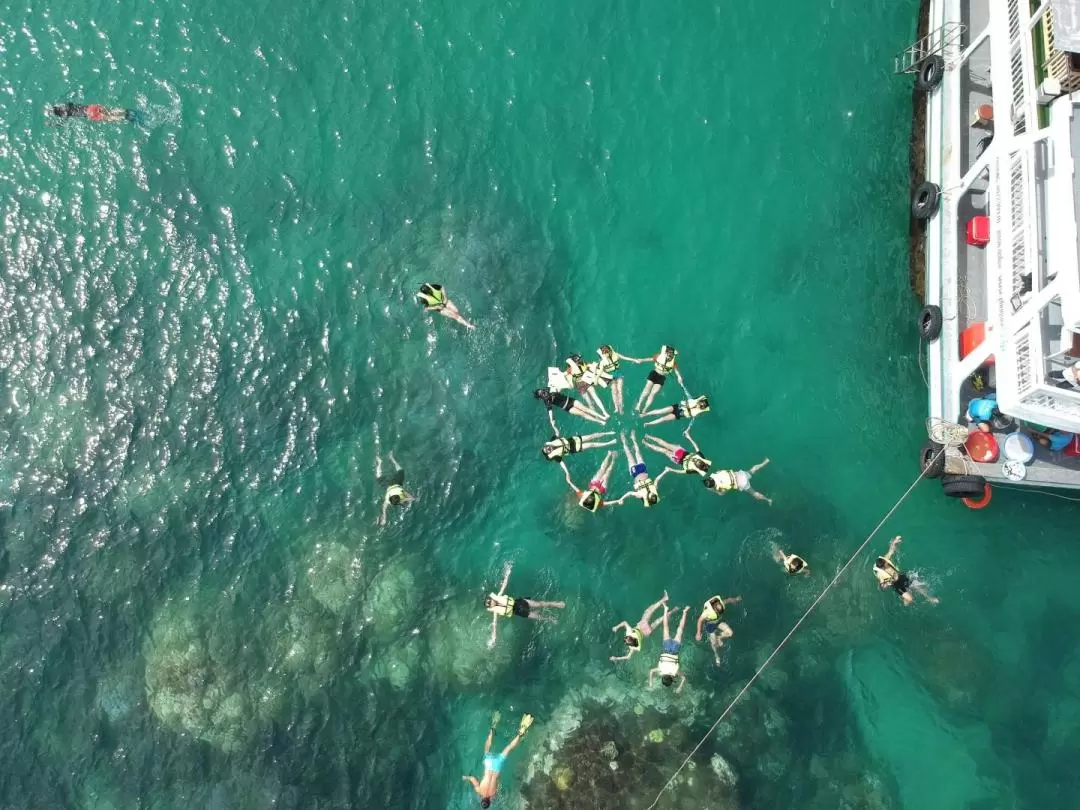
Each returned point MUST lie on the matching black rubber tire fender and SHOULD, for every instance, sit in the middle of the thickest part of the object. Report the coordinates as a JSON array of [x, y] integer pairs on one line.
[[931, 72], [926, 200], [963, 486], [930, 321], [932, 464]]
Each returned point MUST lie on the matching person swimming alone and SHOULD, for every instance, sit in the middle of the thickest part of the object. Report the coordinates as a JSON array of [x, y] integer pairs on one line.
[[488, 786], [93, 112], [433, 298], [889, 575]]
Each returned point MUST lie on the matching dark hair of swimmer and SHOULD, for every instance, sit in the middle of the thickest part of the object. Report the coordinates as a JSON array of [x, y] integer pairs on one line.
[[485, 803], [577, 358], [716, 602], [667, 680], [653, 499], [606, 349], [590, 500], [710, 483], [395, 500], [631, 641], [489, 602], [704, 402], [700, 464], [542, 394]]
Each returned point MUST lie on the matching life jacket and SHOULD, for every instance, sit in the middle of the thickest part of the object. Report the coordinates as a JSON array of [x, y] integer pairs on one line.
[[711, 613], [688, 463], [664, 367], [725, 479], [395, 489], [669, 664]]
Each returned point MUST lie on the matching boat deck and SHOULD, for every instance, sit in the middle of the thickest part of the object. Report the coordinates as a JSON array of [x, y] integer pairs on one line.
[[1047, 469]]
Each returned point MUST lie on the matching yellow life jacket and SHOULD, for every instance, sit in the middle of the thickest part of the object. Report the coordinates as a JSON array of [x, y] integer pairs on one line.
[[688, 463], [725, 479], [509, 609], [665, 366]]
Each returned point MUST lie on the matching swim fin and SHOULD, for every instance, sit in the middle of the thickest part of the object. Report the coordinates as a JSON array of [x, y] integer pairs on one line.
[[526, 724], [495, 718]]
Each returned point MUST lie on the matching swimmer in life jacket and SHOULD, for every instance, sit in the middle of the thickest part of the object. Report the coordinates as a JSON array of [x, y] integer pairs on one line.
[[487, 787], [557, 399], [434, 299], [606, 368], [663, 366], [689, 462], [592, 499], [793, 563], [502, 606], [395, 494], [585, 377], [724, 481], [636, 635], [668, 666], [644, 488], [709, 622], [889, 576], [93, 112], [559, 447], [687, 409]]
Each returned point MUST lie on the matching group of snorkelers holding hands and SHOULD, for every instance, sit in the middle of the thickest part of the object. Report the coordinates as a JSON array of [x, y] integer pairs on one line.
[[588, 379]]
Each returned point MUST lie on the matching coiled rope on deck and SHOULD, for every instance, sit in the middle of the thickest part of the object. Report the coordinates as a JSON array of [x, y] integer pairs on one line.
[[780, 646]]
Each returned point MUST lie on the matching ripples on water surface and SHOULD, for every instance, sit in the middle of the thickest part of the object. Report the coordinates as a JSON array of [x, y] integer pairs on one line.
[[207, 335]]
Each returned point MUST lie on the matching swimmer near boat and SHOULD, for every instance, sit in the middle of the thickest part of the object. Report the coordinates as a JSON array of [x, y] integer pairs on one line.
[[97, 113]]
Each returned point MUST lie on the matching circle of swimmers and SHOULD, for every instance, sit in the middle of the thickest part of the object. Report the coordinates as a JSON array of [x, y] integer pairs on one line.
[[585, 378]]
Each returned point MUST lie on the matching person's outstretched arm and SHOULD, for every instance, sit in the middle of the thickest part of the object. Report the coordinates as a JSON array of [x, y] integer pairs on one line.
[[506, 578], [382, 517], [690, 439], [732, 600], [615, 629], [623, 657], [551, 419], [566, 472], [667, 470], [620, 500], [494, 629], [651, 673], [682, 683], [638, 360]]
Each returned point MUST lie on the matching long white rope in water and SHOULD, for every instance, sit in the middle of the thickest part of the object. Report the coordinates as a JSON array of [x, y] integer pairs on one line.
[[780, 646]]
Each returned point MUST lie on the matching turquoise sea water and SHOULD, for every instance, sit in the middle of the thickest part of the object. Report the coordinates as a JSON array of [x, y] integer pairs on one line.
[[208, 335]]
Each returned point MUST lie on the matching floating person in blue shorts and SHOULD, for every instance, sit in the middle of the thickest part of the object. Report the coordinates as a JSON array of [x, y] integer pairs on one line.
[[663, 365], [504, 606], [592, 499], [709, 622], [668, 666], [605, 372], [93, 112], [487, 787], [889, 576], [636, 635], [689, 462], [724, 481], [644, 487], [557, 399], [559, 447], [687, 409], [434, 299], [395, 494]]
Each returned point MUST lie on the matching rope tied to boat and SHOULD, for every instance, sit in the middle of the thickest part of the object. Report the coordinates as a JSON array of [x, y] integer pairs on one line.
[[797, 625]]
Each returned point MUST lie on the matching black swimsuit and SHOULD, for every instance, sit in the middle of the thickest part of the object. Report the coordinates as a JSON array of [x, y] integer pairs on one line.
[[561, 400]]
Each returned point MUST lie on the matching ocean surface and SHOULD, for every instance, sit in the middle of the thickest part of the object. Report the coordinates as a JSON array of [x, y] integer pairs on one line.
[[208, 337]]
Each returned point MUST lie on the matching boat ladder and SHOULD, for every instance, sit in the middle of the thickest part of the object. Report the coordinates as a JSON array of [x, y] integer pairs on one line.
[[909, 60]]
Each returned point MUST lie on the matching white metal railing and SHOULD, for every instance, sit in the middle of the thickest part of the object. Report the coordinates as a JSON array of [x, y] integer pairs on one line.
[[1025, 374], [1019, 221], [1014, 19], [1061, 403], [940, 40], [1019, 104]]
